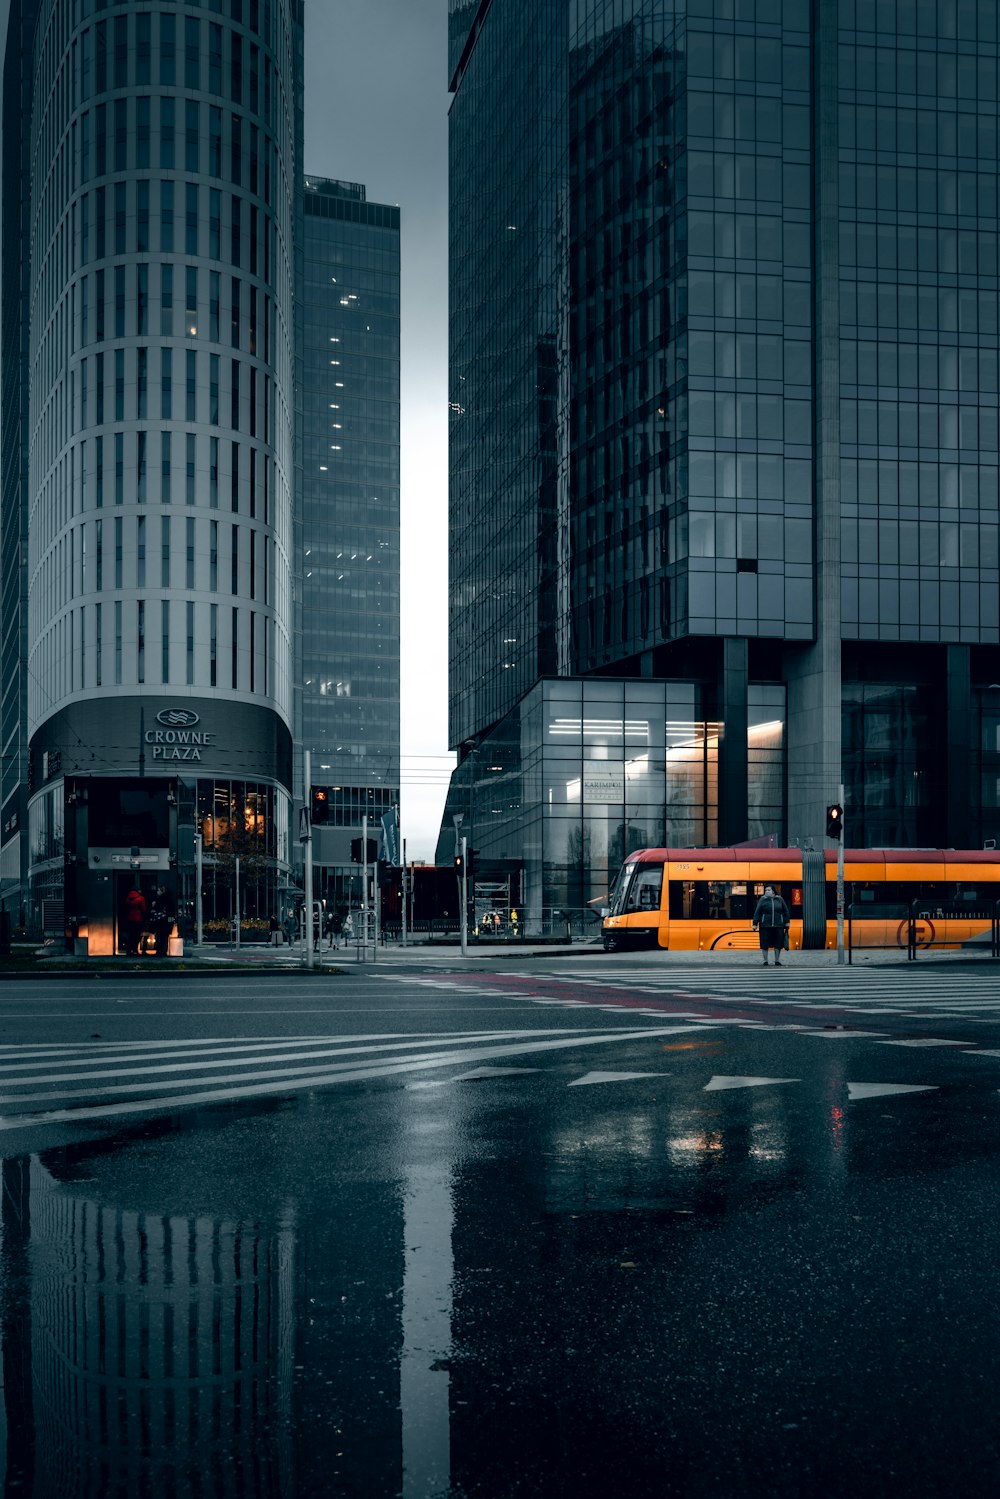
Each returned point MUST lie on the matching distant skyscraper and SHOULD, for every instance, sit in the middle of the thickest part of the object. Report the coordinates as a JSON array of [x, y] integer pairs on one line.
[[724, 427], [162, 152], [348, 531]]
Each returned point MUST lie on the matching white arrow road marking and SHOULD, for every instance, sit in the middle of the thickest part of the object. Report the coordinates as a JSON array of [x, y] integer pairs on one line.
[[877, 1090], [609, 1077], [718, 1083], [925, 1041], [842, 1035], [334, 1074]]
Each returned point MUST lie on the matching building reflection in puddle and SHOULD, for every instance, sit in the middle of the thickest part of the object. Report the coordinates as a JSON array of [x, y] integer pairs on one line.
[[155, 1351], [300, 1348]]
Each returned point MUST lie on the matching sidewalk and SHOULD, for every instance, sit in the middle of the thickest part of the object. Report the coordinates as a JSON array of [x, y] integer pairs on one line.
[[263, 958]]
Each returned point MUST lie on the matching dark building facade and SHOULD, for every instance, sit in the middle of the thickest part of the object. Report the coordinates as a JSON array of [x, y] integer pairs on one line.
[[152, 347], [348, 522], [724, 419]]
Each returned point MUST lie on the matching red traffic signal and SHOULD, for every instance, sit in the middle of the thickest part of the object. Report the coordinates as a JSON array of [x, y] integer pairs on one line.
[[835, 821]]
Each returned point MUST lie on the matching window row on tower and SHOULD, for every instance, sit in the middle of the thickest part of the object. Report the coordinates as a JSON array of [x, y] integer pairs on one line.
[[167, 551], [170, 642], [140, 384], [145, 48], [136, 467], [158, 216]]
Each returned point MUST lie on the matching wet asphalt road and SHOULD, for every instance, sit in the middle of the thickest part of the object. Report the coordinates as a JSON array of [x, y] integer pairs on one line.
[[569, 1229]]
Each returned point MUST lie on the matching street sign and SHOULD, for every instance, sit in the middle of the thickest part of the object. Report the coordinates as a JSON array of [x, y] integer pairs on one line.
[[305, 828]]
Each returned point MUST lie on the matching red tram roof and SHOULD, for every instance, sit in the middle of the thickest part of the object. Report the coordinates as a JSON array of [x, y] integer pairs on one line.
[[703, 856]]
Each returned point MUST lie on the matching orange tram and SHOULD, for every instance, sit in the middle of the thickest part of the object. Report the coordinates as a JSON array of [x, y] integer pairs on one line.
[[690, 899]]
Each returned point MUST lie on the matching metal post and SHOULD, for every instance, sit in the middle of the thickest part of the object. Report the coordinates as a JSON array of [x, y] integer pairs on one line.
[[464, 918], [364, 883], [237, 900], [840, 880], [307, 842], [198, 912], [404, 893]]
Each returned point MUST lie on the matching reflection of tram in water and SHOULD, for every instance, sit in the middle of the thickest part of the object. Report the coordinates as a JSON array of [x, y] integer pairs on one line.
[[696, 898]]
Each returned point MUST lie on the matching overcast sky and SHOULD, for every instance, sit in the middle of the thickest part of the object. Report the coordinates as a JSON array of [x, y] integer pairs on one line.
[[376, 104]]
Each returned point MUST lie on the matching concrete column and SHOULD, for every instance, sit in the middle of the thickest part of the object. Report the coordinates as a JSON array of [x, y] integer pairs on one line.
[[733, 764], [958, 746], [812, 672]]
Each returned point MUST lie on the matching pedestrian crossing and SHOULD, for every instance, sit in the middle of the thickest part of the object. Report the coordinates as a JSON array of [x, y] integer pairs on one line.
[[98, 1084], [102, 1081], [916, 993]]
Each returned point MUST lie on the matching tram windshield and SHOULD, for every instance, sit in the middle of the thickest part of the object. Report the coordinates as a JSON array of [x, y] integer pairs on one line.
[[638, 888]]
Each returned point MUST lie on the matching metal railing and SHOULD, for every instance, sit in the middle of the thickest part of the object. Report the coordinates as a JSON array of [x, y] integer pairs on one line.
[[922, 925]]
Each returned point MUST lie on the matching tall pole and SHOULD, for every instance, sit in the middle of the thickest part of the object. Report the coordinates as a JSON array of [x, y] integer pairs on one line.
[[464, 927], [364, 886], [237, 900], [308, 844], [840, 879], [198, 912], [404, 892]]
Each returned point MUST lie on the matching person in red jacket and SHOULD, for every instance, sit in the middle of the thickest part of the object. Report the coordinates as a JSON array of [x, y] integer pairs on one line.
[[134, 919]]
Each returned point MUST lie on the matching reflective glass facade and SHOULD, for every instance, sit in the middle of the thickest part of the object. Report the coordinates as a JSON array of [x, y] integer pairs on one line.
[[350, 498], [585, 770], [763, 444]]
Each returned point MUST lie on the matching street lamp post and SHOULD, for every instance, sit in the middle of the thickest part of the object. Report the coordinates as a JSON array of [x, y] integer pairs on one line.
[[198, 912]]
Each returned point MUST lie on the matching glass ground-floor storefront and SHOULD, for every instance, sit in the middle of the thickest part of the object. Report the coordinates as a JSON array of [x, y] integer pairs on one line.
[[96, 839], [585, 770]]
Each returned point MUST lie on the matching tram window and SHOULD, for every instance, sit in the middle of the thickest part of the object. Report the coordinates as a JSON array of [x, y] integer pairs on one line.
[[644, 891], [724, 900]]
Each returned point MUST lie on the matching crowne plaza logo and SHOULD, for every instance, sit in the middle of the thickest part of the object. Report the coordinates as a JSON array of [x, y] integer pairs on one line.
[[177, 718]]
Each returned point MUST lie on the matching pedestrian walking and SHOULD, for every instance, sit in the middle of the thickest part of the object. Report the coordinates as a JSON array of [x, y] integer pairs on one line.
[[162, 920], [133, 920], [771, 919], [336, 929]]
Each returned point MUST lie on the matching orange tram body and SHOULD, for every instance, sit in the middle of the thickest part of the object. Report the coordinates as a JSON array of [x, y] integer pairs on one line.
[[691, 899]]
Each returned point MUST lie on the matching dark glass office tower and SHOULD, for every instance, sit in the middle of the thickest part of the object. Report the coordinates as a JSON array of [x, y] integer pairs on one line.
[[348, 533], [723, 403]]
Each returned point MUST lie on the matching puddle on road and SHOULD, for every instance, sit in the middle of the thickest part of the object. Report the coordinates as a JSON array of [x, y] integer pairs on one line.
[[437, 1293]]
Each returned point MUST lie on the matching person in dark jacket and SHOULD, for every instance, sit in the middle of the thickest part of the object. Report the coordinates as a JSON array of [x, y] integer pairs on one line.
[[770, 919], [133, 920]]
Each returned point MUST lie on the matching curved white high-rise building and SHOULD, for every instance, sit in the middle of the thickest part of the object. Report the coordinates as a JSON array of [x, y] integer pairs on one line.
[[164, 148]]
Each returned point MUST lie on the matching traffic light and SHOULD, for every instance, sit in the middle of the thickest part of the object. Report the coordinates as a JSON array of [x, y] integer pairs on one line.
[[320, 804], [357, 856], [835, 821], [458, 864], [471, 855]]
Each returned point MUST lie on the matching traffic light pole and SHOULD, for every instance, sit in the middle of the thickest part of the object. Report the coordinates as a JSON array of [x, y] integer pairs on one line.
[[308, 845], [364, 887], [840, 882], [464, 919]]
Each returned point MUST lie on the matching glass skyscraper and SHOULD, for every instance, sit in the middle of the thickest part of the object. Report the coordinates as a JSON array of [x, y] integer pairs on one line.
[[348, 530], [723, 398]]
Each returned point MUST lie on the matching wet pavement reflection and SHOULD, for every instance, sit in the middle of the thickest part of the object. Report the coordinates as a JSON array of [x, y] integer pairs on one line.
[[511, 1287]]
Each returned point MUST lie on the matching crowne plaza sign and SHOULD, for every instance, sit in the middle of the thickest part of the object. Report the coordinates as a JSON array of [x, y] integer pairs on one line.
[[178, 738]]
